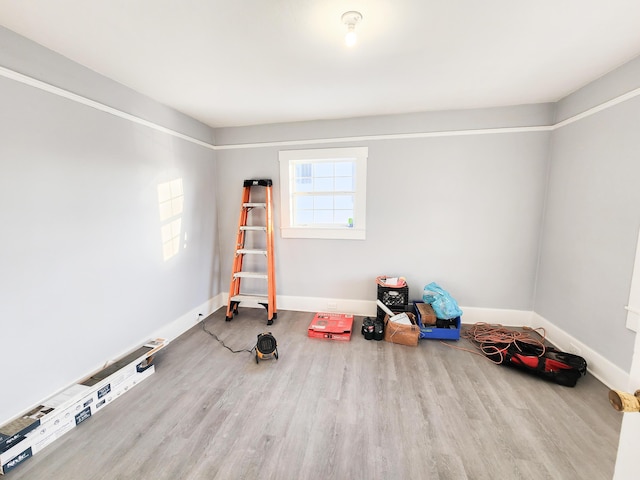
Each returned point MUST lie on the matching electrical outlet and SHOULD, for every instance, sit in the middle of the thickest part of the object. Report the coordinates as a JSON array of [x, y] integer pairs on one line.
[[332, 306]]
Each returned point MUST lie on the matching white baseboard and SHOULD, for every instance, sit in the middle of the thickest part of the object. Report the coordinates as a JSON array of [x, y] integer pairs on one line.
[[611, 375], [365, 308], [318, 304], [505, 317], [368, 308], [183, 323]]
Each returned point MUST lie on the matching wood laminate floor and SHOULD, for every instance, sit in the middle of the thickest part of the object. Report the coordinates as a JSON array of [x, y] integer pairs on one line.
[[335, 410]]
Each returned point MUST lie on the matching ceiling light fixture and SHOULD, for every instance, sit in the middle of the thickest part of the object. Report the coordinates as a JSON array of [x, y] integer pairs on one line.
[[350, 19]]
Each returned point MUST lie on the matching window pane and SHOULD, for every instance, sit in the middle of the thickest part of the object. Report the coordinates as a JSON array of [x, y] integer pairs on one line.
[[303, 181], [304, 217], [344, 184], [323, 169], [344, 169], [342, 216], [343, 202], [303, 170], [323, 185], [323, 216], [323, 202], [303, 185], [304, 202]]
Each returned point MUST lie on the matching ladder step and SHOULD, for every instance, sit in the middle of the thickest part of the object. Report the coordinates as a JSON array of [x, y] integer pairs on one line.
[[251, 205], [250, 298], [248, 251], [253, 227], [250, 275]]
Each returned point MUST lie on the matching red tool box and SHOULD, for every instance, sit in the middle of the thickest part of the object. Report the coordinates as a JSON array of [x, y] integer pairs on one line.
[[331, 326]]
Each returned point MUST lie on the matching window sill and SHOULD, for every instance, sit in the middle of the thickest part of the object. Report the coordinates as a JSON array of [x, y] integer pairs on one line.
[[324, 233]]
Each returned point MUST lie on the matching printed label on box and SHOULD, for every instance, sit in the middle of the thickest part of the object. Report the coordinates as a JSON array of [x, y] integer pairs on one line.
[[83, 415], [104, 390], [11, 441], [17, 460]]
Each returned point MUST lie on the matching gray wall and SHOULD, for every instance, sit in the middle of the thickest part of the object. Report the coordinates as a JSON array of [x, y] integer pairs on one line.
[[592, 218], [82, 277], [464, 211]]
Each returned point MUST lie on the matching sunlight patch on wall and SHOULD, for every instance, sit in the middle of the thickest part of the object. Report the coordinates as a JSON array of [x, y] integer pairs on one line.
[[171, 204]]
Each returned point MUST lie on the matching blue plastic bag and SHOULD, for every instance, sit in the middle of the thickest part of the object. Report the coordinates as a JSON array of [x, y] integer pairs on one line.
[[443, 304]]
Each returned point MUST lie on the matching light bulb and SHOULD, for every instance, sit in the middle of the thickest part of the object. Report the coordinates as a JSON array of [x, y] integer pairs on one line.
[[350, 38], [350, 19]]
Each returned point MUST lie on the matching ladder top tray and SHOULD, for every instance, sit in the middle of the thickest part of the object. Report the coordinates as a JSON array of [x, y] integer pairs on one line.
[[263, 182]]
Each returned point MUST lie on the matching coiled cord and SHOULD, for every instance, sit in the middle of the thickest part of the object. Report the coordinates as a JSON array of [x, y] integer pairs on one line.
[[493, 340]]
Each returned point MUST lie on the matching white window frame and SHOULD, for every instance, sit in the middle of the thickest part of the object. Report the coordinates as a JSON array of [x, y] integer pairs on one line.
[[287, 161]]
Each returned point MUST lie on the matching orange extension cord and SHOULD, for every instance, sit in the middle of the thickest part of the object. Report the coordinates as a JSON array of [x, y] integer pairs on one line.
[[493, 340]]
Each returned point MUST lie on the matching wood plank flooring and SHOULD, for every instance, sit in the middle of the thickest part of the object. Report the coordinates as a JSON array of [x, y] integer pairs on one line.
[[335, 410]]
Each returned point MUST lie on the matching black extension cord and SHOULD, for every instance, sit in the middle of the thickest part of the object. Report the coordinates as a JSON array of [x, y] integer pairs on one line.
[[221, 342]]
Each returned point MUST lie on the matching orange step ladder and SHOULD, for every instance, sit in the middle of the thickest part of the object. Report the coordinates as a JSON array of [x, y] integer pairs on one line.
[[246, 229]]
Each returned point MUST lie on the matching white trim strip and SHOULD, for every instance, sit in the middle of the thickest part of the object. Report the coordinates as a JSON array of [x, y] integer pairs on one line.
[[600, 367], [19, 77], [391, 136], [598, 108], [632, 310], [633, 316]]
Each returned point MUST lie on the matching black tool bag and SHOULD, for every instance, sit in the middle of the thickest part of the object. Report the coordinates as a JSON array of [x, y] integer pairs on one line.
[[550, 364]]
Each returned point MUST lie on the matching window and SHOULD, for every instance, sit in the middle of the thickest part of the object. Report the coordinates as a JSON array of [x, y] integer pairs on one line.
[[323, 193]]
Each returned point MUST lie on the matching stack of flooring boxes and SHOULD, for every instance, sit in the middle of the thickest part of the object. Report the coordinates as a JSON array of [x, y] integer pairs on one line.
[[25, 436]]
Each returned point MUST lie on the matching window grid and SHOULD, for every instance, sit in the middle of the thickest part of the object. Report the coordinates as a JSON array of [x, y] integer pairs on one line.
[[320, 193]]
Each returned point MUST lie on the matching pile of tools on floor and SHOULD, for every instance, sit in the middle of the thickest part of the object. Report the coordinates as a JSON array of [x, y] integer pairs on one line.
[[519, 349]]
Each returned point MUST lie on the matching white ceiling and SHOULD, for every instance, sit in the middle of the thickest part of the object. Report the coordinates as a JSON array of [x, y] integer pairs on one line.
[[244, 62]]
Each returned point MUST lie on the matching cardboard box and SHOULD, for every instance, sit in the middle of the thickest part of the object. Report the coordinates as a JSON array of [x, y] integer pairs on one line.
[[24, 437], [122, 388], [331, 326], [50, 419], [118, 371], [103, 393], [49, 432], [54, 426], [19, 454], [14, 432], [402, 334], [425, 314], [15, 451]]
